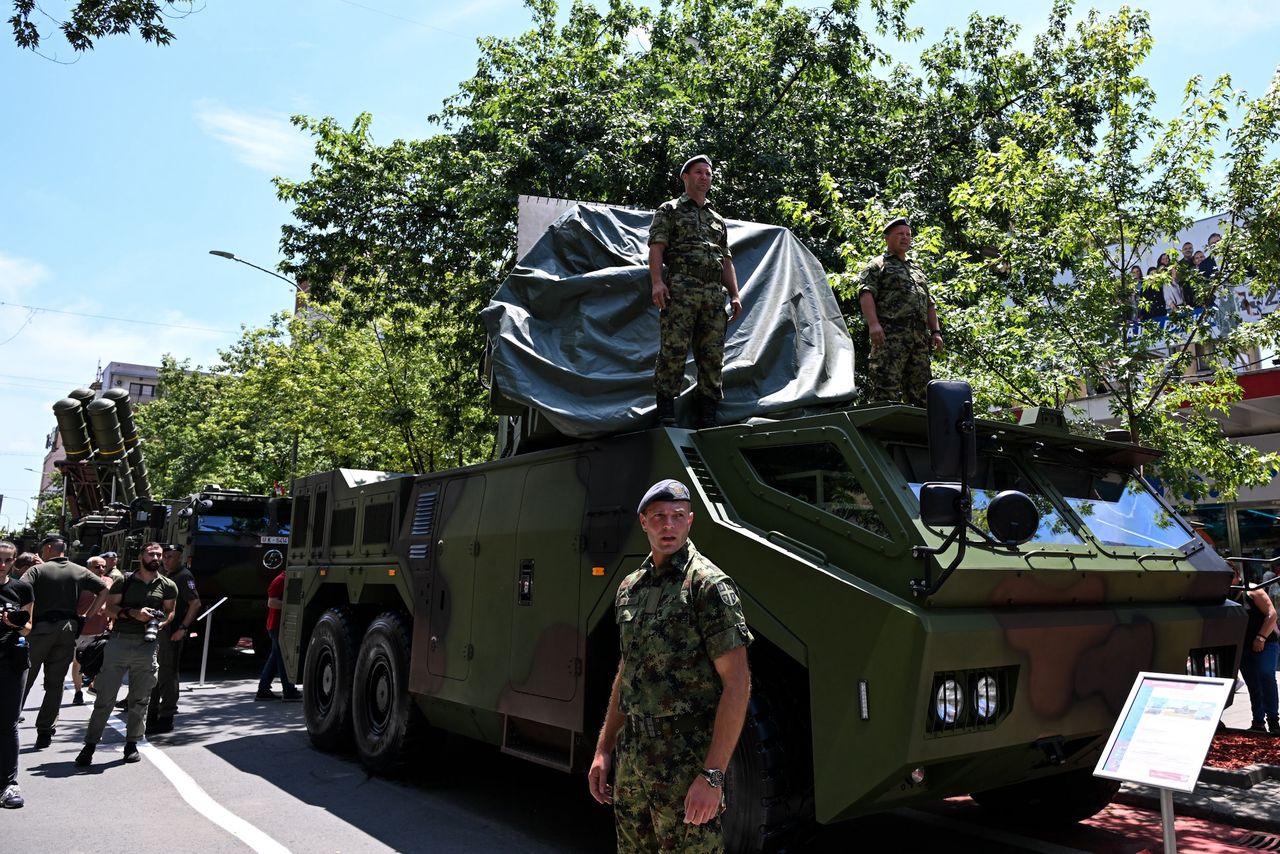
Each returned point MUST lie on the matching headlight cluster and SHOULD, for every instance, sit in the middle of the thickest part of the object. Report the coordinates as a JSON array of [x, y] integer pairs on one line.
[[970, 698]]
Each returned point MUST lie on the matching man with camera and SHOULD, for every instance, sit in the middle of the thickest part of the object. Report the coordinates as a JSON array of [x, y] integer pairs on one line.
[[141, 605], [15, 611], [56, 584], [164, 699]]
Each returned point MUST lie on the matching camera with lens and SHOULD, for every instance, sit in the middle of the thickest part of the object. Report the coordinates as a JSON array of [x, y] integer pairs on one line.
[[13, 646], [153, 628]]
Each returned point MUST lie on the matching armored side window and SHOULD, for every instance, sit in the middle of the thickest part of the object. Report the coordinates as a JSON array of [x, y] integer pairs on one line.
[[322, 519], [344, 527], [301, 519], [817, 474], [377, 524]]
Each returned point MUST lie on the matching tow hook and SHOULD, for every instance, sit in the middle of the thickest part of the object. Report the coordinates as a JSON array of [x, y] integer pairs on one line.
[[1052, 748]]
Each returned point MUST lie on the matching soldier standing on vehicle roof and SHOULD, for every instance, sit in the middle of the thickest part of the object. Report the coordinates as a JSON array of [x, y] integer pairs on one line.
[[902, 321], [680, 696], [691, 241], [164, 698]]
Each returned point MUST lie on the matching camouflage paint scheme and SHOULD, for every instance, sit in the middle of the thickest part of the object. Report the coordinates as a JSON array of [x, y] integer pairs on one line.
[[1066, 627]]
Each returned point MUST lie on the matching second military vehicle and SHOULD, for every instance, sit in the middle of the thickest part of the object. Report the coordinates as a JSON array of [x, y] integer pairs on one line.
[[909, 646]]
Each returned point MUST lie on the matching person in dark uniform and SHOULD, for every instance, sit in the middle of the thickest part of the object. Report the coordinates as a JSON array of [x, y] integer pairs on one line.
[[56, 584], [140, 608], [164, 699], [680, 697], [15, 597]]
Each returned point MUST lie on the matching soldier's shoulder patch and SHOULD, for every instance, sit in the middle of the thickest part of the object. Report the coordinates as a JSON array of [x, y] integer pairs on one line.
[[191, 585], [728, 592]]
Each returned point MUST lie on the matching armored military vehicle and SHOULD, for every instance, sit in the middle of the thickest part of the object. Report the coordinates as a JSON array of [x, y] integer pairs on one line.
[[234, 544], [916, 637]]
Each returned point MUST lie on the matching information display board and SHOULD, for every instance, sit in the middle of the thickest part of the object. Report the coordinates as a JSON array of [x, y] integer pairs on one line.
[[1164, 731]]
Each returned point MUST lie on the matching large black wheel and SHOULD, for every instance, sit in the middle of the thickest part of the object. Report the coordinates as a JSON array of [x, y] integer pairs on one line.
[[1057, 800], [769, 786], [326, 680], [388, 726]]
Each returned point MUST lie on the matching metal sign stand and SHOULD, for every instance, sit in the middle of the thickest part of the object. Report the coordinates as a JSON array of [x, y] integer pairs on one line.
[[1166, 821], [207, 616]]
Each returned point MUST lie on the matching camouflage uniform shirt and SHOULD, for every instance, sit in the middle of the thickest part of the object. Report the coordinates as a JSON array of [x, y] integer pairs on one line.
[[696, 238], [674, 621], [900, 290]]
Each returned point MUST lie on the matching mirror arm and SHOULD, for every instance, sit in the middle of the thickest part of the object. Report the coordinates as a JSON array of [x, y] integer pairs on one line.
[[925, 586]]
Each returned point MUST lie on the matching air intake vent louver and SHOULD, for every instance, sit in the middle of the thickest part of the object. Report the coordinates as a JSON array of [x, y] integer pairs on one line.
[[424, 515], [700, 471]]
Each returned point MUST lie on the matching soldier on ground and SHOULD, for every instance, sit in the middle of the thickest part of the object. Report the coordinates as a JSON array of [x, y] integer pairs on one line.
[[680, 696], [56, 584], [141, 606], [15, 600], [902, 321], [691, 241], [164, 699]]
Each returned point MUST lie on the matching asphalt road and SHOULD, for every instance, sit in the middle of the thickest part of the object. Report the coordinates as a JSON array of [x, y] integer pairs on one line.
[[240, 775]]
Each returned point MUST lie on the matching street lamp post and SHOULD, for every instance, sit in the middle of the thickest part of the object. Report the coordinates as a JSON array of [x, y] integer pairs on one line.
[[231, 256]]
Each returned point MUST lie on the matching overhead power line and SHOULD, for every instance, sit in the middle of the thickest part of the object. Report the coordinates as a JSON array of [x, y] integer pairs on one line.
[[117, 319]]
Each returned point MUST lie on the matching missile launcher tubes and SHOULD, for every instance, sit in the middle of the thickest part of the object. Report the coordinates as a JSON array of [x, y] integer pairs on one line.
[[85, 397], [69, 413], [106, 430], [133, 447]]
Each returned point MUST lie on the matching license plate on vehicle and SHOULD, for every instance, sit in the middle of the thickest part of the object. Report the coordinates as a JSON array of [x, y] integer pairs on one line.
[[275, 541]]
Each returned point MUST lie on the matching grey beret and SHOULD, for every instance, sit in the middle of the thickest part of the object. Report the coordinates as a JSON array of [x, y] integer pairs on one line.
[[694, 159], [664, 490], [902, 220]]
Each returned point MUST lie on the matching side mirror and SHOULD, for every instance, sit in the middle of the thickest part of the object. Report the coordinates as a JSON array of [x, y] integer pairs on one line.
[[953, 447], [940, 505], [1012, 517]]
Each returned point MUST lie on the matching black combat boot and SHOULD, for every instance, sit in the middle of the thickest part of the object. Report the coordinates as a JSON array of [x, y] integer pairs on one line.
[[1273, 724], [707, 412], [666, 411]]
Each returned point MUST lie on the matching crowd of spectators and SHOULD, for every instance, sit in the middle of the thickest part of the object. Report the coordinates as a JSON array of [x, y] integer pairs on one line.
[[1190, 282]]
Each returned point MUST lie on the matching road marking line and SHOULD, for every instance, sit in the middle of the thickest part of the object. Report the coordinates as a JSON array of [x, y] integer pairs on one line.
[[203, 803]]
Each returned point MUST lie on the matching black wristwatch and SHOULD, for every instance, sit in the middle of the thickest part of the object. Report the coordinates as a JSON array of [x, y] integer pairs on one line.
[[714, 777]]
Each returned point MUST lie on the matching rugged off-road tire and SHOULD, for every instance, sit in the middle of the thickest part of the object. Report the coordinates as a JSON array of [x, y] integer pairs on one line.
[[1058, 800], [326, 680], [769, 785], [388, 726]]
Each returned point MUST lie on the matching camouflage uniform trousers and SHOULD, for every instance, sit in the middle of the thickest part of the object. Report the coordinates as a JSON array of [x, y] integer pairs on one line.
[[900, 369], [695, 315], [653, 776]]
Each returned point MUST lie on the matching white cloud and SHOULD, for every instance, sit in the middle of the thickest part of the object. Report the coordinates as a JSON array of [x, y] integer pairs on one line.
[[264, 141], [18, 276]]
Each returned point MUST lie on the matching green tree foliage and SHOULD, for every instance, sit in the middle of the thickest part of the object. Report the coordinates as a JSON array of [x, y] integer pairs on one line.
[[86, 21], [1022, 167], [331, 395]]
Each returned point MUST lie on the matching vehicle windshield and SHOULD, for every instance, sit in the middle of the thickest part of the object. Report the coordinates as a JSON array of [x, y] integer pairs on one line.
[[238, 518], [996, 473], [1117, 506]]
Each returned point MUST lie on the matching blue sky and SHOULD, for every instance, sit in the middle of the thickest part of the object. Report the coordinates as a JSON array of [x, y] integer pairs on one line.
[[122, 169]]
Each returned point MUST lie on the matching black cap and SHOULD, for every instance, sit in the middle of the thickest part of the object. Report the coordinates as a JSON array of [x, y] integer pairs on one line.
[[664, 490], [51, 538], [902, 220], [170, 547], [109, 554]]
